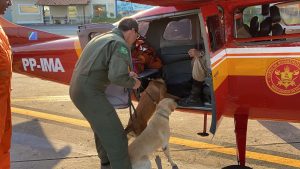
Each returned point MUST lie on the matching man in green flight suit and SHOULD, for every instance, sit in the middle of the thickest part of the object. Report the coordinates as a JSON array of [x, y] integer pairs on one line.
[[106, 60]]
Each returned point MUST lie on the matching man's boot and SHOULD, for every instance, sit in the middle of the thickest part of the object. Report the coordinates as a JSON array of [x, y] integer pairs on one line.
[[194, 99], [105, 166]]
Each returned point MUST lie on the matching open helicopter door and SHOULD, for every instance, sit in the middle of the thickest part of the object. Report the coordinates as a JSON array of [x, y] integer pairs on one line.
[[212, 26], [213, 35]]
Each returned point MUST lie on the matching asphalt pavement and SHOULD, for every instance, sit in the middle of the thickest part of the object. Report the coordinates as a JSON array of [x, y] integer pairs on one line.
[[50, 133]]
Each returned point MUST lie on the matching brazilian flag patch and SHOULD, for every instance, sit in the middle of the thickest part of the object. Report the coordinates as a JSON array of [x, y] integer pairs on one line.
[[123, 50]]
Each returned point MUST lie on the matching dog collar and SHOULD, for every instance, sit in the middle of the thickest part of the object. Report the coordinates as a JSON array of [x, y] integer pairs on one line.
[[167, 117], [152, 99]]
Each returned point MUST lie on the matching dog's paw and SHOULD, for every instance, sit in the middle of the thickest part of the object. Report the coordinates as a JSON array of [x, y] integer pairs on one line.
[[175, 167]]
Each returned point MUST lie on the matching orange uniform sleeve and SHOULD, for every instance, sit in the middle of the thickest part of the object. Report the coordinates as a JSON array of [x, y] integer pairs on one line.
[[5, 109]]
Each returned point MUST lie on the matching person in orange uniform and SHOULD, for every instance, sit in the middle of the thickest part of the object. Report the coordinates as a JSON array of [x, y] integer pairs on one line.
[[5, 78]]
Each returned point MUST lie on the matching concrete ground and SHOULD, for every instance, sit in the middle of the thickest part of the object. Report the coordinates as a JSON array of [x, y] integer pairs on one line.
[[49, 132]]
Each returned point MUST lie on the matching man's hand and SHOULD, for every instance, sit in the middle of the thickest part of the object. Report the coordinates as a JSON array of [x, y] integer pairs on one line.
[[137, 83], [194, 53], [133, 74]]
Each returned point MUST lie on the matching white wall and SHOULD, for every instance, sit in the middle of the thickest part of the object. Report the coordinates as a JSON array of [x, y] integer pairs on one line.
[[23, 18], [57, 11]]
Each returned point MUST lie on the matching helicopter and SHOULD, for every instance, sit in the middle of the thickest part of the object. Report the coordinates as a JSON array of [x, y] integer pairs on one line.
[[251, 51]]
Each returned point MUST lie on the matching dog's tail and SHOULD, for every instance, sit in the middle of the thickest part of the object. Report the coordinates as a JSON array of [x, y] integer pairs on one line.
[[129, 132], [128, 129]]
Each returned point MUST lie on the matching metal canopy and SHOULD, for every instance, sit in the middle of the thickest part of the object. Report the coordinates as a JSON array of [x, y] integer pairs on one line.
[[167, 2], [61, 2]]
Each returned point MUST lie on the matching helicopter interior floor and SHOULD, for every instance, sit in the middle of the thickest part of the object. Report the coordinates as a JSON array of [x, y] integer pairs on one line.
[[148, 74], [205, 107]]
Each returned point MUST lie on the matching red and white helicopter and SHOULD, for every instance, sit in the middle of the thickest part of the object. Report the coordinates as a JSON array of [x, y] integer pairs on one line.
[[252, 51]]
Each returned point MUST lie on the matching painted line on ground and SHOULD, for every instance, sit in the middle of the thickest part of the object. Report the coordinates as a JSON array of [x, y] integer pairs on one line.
[[173, 140], [44, 98]]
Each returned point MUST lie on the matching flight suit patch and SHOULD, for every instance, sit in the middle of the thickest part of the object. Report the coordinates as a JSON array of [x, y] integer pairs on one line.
[[123, 50]]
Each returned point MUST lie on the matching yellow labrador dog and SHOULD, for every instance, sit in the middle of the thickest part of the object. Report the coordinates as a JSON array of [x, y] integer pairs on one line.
[[155, 135]]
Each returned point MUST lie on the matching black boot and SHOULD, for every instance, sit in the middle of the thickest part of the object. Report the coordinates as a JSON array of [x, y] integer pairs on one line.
[[105, 166], [194, 99]]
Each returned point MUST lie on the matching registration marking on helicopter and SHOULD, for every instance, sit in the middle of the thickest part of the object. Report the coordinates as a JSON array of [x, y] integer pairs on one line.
[[44, 64], [173, 140]]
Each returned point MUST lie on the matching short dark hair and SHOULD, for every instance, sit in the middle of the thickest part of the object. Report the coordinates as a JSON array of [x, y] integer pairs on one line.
[[127, 24]]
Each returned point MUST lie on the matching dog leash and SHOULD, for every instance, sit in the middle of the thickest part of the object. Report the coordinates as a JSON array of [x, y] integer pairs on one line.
[[132, 110], [151, 98]]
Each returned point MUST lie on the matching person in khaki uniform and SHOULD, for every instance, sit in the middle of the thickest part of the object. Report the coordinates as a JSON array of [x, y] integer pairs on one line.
[[106, 60], [5, 87]]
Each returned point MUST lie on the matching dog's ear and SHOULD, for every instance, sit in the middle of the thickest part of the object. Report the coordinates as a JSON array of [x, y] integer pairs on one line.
[[173, 105], [162, 92], [160, 86], [160, 80]]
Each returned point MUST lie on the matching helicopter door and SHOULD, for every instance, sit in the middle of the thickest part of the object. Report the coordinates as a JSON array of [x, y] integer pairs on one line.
[[214, 40]]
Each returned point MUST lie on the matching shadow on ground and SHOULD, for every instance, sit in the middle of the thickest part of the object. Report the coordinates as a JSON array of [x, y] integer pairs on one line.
[[32, 151]]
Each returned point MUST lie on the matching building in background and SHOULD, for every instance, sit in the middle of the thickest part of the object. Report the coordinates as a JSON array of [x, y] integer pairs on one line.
[[128, 8], [25, 11], [64, 11], [68, 11], [59, 11]]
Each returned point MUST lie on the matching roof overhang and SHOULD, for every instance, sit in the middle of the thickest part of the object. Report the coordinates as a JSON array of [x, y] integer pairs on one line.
[[192, 2], [61, 2], [167, 2]]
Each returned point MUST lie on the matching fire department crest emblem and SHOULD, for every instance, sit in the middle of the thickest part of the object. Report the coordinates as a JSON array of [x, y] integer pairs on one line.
[[283, 76]]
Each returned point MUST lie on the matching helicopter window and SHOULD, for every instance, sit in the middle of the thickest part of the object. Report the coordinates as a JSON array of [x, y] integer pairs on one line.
[[241, 30], [143, 28], [93, 34], [250, 12], [178, 30], [216, 33], [272, 21], [290, 13]]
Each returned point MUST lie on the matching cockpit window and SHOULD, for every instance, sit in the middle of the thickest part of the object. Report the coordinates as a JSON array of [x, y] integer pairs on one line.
[[267, 20], [178, 30], [251, 12], [215, 31], [290, 13], [143, 28]]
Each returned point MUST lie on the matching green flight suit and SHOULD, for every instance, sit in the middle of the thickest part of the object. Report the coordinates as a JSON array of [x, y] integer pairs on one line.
[[104, 60]]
